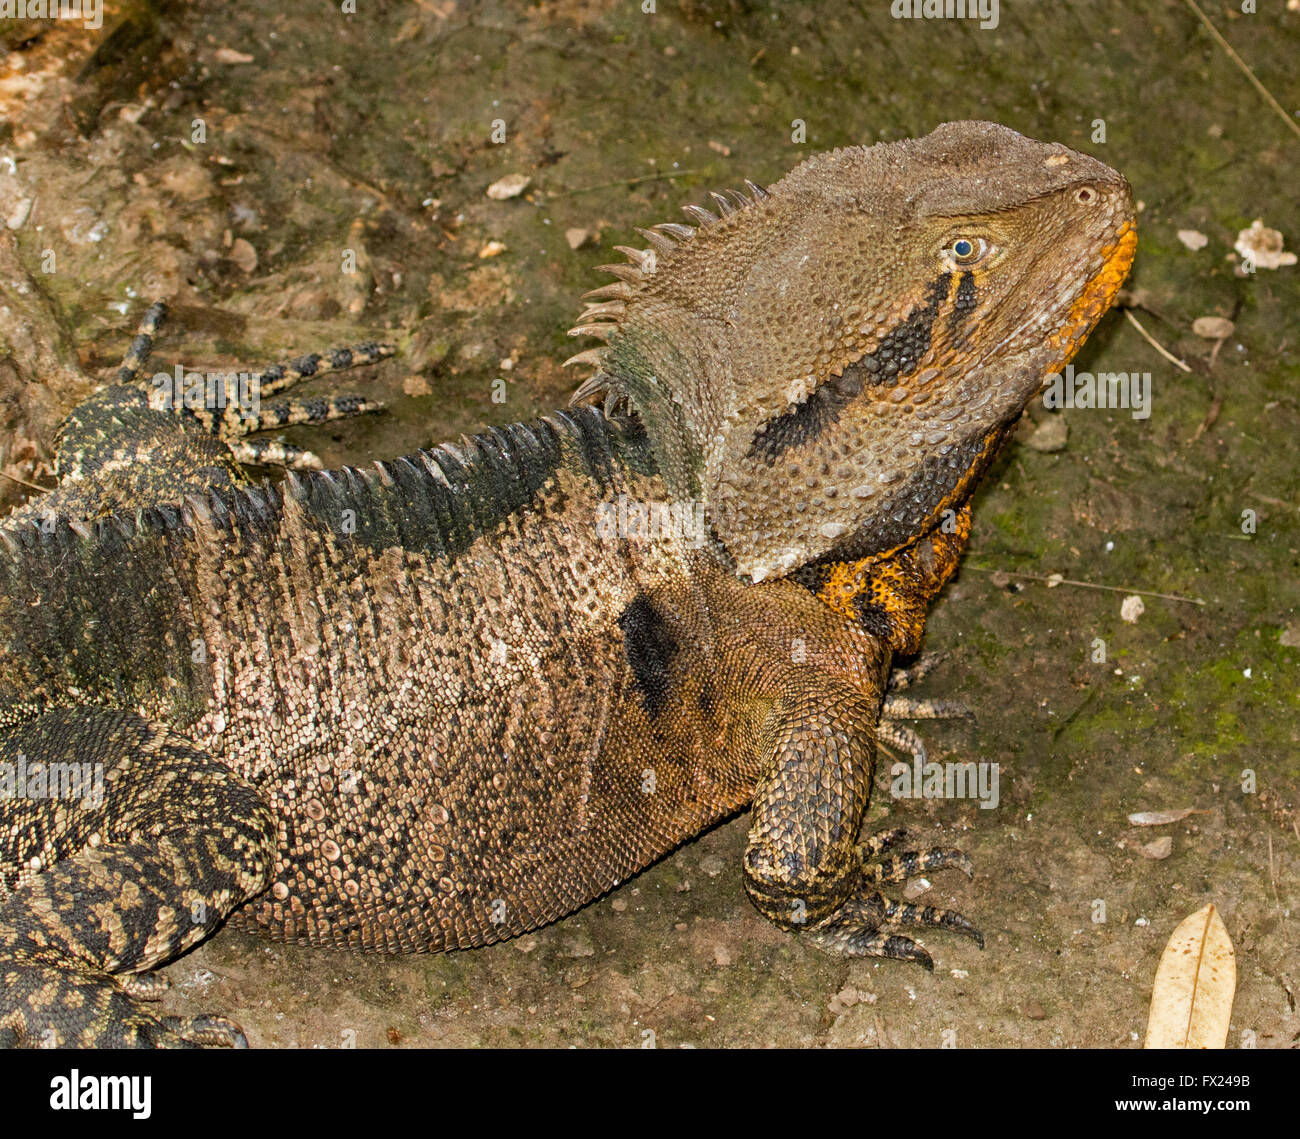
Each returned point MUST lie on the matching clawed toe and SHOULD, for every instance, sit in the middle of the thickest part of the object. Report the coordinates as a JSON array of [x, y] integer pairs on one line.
[[911, 862], [864, 925], [904, 914], [209, 1031], [841, 940]]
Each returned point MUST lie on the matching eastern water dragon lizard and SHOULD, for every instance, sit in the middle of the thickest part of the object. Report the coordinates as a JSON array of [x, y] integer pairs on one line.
[[438, 701]]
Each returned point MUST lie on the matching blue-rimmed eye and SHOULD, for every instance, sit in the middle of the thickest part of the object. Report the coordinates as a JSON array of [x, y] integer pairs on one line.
[[967, 250]]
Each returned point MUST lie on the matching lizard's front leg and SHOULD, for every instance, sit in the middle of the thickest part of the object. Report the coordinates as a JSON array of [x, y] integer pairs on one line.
[[158, 844], [804, 867]]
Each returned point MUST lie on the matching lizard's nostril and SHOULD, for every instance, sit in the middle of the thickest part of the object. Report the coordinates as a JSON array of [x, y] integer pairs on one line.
[[1085, 195]]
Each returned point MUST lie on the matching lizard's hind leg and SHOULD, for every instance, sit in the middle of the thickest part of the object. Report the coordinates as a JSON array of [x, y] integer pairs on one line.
[[137, 355], [123, 846], [140, 442], [238, 419]]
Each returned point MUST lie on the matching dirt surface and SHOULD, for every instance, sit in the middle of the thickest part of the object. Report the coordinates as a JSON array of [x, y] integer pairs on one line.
[[289, 177]]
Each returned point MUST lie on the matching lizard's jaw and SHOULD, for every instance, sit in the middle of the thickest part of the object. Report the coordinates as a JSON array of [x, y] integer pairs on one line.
[[1096, 297], [1017, 374], [1093, 302]]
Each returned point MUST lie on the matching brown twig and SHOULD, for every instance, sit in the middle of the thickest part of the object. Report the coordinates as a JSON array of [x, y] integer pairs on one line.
[[1128, 313], [1290, 122], [633, 181], [1056, 580], [24, 482]]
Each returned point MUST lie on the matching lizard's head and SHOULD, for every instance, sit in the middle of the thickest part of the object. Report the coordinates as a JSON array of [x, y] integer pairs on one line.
[[832, 363]]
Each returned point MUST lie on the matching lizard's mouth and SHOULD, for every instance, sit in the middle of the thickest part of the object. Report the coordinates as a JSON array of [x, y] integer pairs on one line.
[[1092, 303], [1097, 295]]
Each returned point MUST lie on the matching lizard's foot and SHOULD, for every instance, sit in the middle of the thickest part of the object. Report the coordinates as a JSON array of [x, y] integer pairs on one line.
[[891, 732], [803, 867], [182, 442], [855, 929], [68, 1004], [901, 678]]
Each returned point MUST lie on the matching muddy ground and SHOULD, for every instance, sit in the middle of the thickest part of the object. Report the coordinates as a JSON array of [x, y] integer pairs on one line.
[[225, 156]]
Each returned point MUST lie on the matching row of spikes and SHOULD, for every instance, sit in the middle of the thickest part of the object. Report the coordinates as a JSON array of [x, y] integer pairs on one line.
[[601, 318], [452, 466]]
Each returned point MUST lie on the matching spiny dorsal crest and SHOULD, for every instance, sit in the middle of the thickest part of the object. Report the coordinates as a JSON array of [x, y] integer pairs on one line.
[[607, 304]]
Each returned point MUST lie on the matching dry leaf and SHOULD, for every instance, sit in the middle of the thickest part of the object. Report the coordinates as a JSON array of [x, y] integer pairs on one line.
[[1159, 818], [1263, 246], [1196, 980]]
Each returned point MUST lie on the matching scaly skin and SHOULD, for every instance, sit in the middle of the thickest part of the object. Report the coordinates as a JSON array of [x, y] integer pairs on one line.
[[441, 701]]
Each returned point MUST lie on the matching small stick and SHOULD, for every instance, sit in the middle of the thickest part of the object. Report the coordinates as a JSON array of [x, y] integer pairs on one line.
[[1242, 64], [1054, 580], [1211, 416], [1151, 340], [1272, 871], [24, 482]]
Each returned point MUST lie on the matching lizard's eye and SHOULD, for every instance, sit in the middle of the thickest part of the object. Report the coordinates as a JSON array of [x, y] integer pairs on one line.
[[967, 250]]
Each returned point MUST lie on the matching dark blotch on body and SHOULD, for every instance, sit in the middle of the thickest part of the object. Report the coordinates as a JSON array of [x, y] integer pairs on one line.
[[650, 648]]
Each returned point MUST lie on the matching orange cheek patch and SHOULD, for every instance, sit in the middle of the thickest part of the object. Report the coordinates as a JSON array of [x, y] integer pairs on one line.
[[1096, 298]]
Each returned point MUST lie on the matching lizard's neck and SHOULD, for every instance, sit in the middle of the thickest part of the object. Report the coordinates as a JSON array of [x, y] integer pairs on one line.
[[673, 379]]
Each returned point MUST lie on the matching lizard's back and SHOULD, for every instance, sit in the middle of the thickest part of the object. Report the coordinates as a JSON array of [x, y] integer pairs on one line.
[[474, 694]]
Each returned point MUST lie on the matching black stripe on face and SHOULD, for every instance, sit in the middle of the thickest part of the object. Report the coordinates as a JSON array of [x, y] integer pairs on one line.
[[810, 419], [899, 352], [965, 301]]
